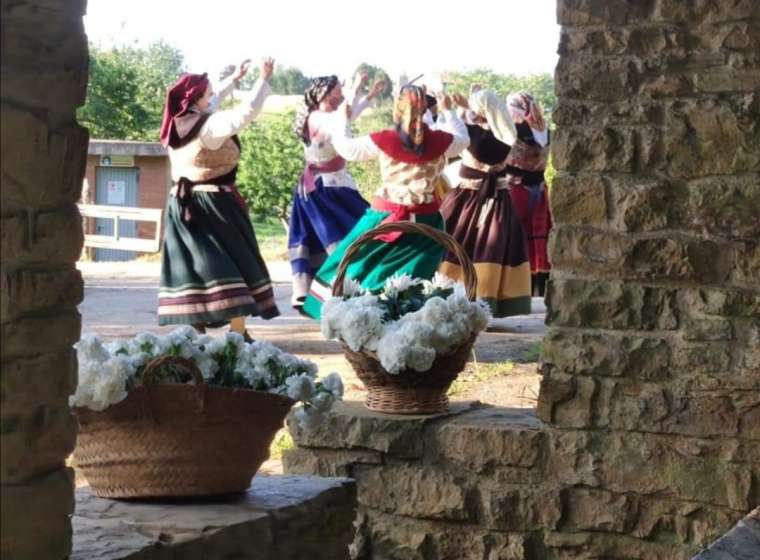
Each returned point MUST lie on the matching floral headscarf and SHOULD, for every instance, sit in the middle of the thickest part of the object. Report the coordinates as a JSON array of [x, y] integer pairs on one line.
[[179, 98], [408, 112], [524, 108], [312, 97]]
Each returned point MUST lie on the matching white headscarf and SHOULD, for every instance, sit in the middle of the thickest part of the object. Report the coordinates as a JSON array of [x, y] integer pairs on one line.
[[493, 108]]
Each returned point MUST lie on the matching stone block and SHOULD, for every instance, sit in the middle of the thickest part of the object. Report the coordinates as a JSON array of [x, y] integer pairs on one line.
[[582, 13], [415, 491], [747, 268], [721, 302], [488, 440], [278, 518], [328, 462], [33, 291], [583, 250], [41, 379], [49, 174], [49, 238], [590, 509], [708, 138], [576, 302], [609, 355], [350, 425], [708, 329], [567, 401], [705, 11], [725, 205], [23, 337], [521, 508], [641, 205], [36, 517], [35, 441], [661, 465], [591, 544], [594, 150], [595, 79], [579, 200], [47, 49], [680, 259]]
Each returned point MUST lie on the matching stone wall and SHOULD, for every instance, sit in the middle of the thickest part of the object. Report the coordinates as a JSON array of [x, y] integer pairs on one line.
[[44, 77], [647, 438], [652, 358]]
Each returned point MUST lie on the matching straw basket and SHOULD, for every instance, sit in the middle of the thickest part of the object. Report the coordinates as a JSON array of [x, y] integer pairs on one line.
[[410, 391], [178, 440]]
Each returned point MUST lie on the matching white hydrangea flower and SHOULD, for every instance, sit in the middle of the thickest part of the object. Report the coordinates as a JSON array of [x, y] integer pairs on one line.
[[439, 282], [352, 288], [300, 387], [399, 283], [307, 419], [185, 331], [207, 365], [90, 348], [334, 384], [322, 402]]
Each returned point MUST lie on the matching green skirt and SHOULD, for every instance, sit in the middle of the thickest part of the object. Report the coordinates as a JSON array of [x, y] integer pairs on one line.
[[211, 268], [412, 254]]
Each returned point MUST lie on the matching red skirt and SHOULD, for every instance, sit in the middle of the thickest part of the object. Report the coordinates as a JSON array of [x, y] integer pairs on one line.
[[531, 204]]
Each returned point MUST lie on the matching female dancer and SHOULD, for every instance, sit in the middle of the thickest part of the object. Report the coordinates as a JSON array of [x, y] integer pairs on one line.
[[411, 158], [326, 202], [211, 271], [479, 214]]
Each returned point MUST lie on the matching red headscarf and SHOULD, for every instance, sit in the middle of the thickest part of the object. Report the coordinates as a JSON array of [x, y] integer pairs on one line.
[[180, 97]]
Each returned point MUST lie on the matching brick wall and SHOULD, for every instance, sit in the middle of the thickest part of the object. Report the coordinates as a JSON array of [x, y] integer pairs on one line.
[[44, 78]]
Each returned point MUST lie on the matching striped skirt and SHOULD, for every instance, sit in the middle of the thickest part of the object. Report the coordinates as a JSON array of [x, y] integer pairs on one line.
[[318, 222], [211, 268], [412, 254], [491, 233]]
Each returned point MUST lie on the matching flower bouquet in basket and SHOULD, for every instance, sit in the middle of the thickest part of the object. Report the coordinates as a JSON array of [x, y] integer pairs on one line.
[[186, 415], [408, 342]]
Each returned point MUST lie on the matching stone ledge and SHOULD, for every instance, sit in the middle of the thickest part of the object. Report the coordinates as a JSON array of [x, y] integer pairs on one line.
[[279, 518], [740, 543]]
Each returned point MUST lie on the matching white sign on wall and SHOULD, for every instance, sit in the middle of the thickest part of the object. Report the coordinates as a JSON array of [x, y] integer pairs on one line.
[[116, 193]]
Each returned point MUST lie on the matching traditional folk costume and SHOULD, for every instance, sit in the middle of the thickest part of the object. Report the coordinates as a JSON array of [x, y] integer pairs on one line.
[[326, 202], [211, 270], [480, 216], [411, 158], [526, 165]]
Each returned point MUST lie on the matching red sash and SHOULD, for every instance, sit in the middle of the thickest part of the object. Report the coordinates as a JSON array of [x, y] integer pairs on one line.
[[401, 213]]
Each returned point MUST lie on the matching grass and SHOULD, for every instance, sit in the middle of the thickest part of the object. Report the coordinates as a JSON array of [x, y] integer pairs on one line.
[[272, 238], [533, 354], [476, 374], [281, 443]]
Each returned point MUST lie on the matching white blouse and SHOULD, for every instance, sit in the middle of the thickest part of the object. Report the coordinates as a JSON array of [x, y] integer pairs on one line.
[[223, 124], [362, 148]]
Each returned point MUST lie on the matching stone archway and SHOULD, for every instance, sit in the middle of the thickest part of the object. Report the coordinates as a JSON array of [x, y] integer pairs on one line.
[[650, 396]]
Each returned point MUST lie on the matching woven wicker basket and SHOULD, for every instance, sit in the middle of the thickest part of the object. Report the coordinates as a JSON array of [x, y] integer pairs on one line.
[[409, 391], [178, 440]]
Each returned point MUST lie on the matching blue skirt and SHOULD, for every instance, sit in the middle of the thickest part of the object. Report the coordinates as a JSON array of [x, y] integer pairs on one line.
[[318, 222]]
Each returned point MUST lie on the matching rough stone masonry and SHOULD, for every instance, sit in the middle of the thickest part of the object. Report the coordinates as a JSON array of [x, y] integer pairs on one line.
[[44, 79], [646, 440]]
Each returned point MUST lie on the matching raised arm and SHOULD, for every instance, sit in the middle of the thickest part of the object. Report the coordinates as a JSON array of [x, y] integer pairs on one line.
[[223, 124], [453, 125], [361, 148]]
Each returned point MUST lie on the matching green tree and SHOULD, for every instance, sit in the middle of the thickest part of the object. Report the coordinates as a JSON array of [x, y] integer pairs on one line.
[[270, 165], [127, 88], [376, 73], [540, 86], [285, 81]]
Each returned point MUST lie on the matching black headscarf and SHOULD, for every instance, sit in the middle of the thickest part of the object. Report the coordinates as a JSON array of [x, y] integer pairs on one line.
[[318, 89]]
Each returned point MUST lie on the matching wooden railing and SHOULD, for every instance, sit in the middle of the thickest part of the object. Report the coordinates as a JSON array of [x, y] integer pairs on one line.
[[118, 213]]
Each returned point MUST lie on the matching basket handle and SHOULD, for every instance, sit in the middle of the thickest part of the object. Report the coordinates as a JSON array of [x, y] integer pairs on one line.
[[440, 237], [185, 363]]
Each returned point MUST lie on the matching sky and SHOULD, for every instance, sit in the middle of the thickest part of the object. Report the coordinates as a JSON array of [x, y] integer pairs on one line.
[[334, 36]]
